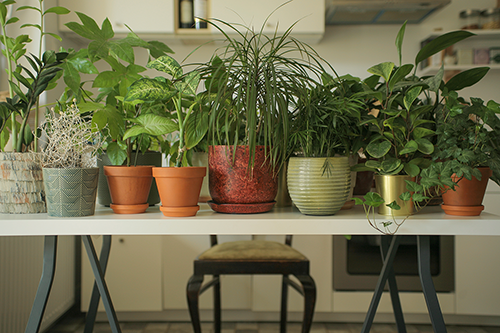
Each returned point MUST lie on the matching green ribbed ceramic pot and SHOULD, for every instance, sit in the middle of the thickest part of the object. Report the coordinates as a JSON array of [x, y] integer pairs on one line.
[[70, 192], [319, 185]]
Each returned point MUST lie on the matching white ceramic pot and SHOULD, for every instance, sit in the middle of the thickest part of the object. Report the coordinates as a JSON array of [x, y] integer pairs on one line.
[[319, 185]]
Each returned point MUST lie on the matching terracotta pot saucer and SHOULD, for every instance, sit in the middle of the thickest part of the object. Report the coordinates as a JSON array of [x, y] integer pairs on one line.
[[462, 210], [129, 209], [241, 208], [179, 211]]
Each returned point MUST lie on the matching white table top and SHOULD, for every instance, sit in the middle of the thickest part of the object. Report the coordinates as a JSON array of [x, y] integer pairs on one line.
[[280, 221]]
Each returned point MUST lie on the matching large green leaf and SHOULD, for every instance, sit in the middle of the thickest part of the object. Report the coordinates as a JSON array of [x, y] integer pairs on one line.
[[390, 165], [399, 41], [116, 154], [410, 147], [122, 50], [421, 132], [400, 74], [384, 70], [190, 83], [378, 149], [196, 128], [440, 43], [168, 65], [106, 79], [411, 96], [411, 169], [147, 89], [434, 82], [466, 78], [151, 124], [425, 146]]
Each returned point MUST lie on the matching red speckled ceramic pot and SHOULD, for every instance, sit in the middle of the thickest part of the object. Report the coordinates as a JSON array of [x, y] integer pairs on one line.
[[236, 189]]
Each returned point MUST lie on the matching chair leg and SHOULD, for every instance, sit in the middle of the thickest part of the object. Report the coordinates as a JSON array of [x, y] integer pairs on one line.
[[217, 305], [309, 288], [284, 304], [193, 295]]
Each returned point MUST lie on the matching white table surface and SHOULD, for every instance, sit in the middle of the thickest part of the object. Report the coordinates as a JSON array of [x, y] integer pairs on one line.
[[280, 221]]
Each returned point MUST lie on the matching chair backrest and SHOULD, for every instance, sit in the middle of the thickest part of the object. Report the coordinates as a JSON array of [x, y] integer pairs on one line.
[[213, 240]]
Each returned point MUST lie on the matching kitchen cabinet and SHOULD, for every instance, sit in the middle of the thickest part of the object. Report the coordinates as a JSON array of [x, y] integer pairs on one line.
[[150, 16]]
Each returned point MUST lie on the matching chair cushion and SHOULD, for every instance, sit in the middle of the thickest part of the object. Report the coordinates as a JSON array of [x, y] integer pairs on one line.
[[251, 250]]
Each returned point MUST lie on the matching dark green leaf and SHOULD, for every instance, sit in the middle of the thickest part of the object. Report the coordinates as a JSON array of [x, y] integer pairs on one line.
[[399, 41], [400, 74], [425, 146], [411, 169], [466, 78], [393, 205], [116, 154], [378, 149], [440, 43]]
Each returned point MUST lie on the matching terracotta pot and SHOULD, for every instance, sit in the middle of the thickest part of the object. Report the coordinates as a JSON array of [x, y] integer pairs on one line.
[[179, 189], [129, 187], [468, 196], [236, 189]]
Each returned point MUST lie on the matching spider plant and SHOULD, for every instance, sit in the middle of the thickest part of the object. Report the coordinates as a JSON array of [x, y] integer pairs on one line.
[[253, 81]]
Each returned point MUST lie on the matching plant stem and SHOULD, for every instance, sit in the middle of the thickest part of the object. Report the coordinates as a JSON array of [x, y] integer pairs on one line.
[[8, 57], [180, 153], [35, 139]]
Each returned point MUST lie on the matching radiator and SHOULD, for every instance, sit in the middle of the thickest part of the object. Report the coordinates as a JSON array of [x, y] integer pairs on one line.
[[21, 261]]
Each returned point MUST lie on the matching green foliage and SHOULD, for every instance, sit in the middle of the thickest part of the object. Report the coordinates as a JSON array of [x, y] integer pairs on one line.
[[112, 111], [326, 120], [181, 93], [253, 81], [14, 49]]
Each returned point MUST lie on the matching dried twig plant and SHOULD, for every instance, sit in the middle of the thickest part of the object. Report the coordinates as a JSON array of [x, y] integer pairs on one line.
[[71, 140]]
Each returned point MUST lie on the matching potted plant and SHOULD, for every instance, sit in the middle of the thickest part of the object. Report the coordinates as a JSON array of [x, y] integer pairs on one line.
[[70, 172], [253, 81], [180, 185], [111, 112], [469, 145], [21, 186], [324, 132]]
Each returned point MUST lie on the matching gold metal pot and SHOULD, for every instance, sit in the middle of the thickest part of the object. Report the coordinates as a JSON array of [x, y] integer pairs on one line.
[[390, 188]]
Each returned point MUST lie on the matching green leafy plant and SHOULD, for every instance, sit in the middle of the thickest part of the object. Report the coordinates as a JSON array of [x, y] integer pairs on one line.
[[22, 103], [189, 118], [404, 132], [112, 113], [252, 81], [326, 121]]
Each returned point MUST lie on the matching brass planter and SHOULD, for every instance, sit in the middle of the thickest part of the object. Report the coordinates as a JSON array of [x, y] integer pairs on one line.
[[390, 188]]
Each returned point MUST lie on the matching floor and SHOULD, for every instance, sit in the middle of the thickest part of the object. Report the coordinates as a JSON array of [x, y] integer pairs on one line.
[[75, 324]]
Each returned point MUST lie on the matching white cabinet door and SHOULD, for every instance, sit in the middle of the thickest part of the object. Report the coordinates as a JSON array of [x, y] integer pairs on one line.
[[266, 289], [477, 266], [310, 14], [149, 16], [178, 254], [133, 276]]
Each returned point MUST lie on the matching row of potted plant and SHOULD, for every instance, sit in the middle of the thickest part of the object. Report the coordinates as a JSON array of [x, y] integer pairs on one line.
[[268, 102]]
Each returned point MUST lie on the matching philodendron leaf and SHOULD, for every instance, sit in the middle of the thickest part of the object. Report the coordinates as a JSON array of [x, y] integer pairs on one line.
[[168, 65], [440, 43], [410, 147], [378, 149], [466, 78], [411, 96], [147, 89], [400, 74], [151, 124], [384, 70], [399, 41]]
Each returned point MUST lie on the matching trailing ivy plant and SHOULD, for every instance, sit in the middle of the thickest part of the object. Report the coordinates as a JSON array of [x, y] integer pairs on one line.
[[22, 103], [112, 112], [189, 118]]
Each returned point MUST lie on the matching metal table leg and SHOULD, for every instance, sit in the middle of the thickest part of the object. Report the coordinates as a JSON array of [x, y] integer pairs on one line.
[[42, 294], [94, 300], [101, 284], [393, 287], [384, 274], [424, 260]]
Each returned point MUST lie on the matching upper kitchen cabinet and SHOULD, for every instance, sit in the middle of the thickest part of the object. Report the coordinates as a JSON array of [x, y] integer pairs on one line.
[[145, 17], [309, 15]]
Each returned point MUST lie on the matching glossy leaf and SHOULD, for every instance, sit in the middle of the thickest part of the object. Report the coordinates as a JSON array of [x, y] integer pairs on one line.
[[383, 69], [399, 41], [57, 10], [411, 96], [466, 78], [410, 147], [425, 146], [399, 75], [440, 43], [378, 149], [411, 169]]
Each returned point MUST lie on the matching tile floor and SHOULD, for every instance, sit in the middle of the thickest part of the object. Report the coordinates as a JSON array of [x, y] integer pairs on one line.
[[75, 324]]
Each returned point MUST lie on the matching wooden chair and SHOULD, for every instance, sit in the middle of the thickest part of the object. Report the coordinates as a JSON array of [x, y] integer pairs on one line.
[[251, 257]]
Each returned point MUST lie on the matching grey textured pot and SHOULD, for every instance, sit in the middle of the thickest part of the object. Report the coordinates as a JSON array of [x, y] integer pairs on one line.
[[70, 192], [21, 184], [316, 191], [153, 158]]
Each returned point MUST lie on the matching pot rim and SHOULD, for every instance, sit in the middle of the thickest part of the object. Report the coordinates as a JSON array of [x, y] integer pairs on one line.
[[180, 172], [128, 171]]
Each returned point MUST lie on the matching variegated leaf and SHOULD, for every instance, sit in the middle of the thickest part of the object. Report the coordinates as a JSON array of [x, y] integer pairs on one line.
[[167, 65]]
